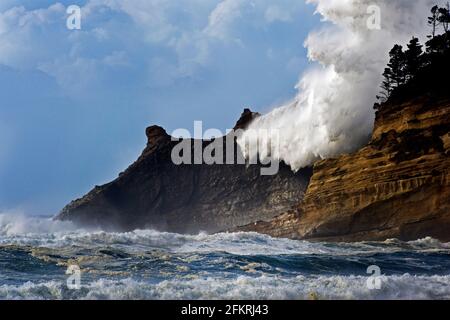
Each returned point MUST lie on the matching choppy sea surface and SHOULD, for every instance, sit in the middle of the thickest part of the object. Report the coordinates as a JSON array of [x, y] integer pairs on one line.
[[35, 254]]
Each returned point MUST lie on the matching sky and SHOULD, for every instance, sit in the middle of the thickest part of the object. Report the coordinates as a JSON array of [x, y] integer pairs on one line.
[[74, 104]]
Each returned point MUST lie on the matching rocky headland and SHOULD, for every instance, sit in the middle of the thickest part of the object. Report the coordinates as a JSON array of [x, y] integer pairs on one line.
[[396, 186], [155, 193]]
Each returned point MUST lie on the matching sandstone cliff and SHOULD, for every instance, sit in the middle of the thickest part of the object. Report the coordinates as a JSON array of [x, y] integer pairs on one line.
[[155, 193], [398, 186]]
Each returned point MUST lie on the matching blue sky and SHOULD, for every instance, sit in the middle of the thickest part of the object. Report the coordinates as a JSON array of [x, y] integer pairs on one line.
[[74, 105]]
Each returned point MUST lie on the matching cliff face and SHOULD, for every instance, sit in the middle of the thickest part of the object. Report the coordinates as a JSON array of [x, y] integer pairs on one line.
[[398, 186], [155, 193]]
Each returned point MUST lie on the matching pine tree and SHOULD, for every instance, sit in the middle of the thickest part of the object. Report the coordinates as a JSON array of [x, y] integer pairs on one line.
[[397, 65], [444, 17], [433, 21], [413, 58], [439, 43], [386, 86], [405, 65]]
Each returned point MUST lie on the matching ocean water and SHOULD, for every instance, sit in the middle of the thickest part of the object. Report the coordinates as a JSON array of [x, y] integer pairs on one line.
[[35, 254]]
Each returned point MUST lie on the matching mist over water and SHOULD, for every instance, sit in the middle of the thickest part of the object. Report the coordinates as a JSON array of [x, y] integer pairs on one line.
[[19, 224], [147, 264], [333, 111]]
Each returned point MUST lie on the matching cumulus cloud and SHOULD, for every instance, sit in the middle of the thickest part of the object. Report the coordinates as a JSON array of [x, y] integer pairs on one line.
[[186, 35], [157, 43], [20, 30], [332, 113]]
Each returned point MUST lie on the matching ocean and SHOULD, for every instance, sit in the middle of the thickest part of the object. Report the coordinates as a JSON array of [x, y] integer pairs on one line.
[[36, 253]]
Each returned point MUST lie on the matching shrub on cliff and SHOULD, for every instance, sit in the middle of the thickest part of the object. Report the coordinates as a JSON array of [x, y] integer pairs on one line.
[[417, 72]]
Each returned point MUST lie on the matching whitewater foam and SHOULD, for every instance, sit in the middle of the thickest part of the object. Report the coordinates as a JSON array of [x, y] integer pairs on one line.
[[13, 224], [243, 287], [44, 232], [147, 264]]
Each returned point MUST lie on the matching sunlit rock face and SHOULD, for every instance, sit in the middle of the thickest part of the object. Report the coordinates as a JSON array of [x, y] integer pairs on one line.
[[398, 186]]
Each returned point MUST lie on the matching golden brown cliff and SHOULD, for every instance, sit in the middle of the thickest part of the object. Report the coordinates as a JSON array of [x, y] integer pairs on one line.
[[398, 186]]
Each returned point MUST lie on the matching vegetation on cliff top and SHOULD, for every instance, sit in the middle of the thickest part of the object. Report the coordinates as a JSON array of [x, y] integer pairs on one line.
[[418, 71]]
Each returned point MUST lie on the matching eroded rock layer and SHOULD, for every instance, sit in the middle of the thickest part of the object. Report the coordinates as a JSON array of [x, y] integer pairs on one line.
[[398, 186]]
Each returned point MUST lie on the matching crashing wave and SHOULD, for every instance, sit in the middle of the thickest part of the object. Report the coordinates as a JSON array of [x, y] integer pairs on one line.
[[44, 232], [250, 288]]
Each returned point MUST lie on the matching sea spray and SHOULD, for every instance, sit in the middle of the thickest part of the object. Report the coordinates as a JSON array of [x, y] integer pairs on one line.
[[332, 113]]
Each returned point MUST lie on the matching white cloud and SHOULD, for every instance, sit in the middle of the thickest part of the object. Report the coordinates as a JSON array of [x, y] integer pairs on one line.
[[186, 35], [20, 32], [275, 13], [222, 17], [75, 75]]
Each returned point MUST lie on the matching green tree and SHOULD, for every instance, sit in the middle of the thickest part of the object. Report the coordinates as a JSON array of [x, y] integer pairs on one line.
[[439, 43], [413, 58], [444, 17], [386, 86], [397, 65], [433, 21], [405, 65]]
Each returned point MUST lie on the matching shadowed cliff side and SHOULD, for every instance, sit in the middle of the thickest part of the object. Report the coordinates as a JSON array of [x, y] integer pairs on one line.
[[155, 193]]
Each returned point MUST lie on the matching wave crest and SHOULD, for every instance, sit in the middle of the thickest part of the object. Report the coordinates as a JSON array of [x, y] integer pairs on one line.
[[21, 224], [243, 287]]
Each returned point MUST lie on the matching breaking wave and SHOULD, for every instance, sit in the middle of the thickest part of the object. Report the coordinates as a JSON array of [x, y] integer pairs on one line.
[[260, 288], [45, 232], [21, 224], [147, 264]]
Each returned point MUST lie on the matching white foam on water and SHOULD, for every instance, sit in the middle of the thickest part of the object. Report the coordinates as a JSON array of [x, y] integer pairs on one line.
[[264, 287], [20, 224], [44, 232]]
